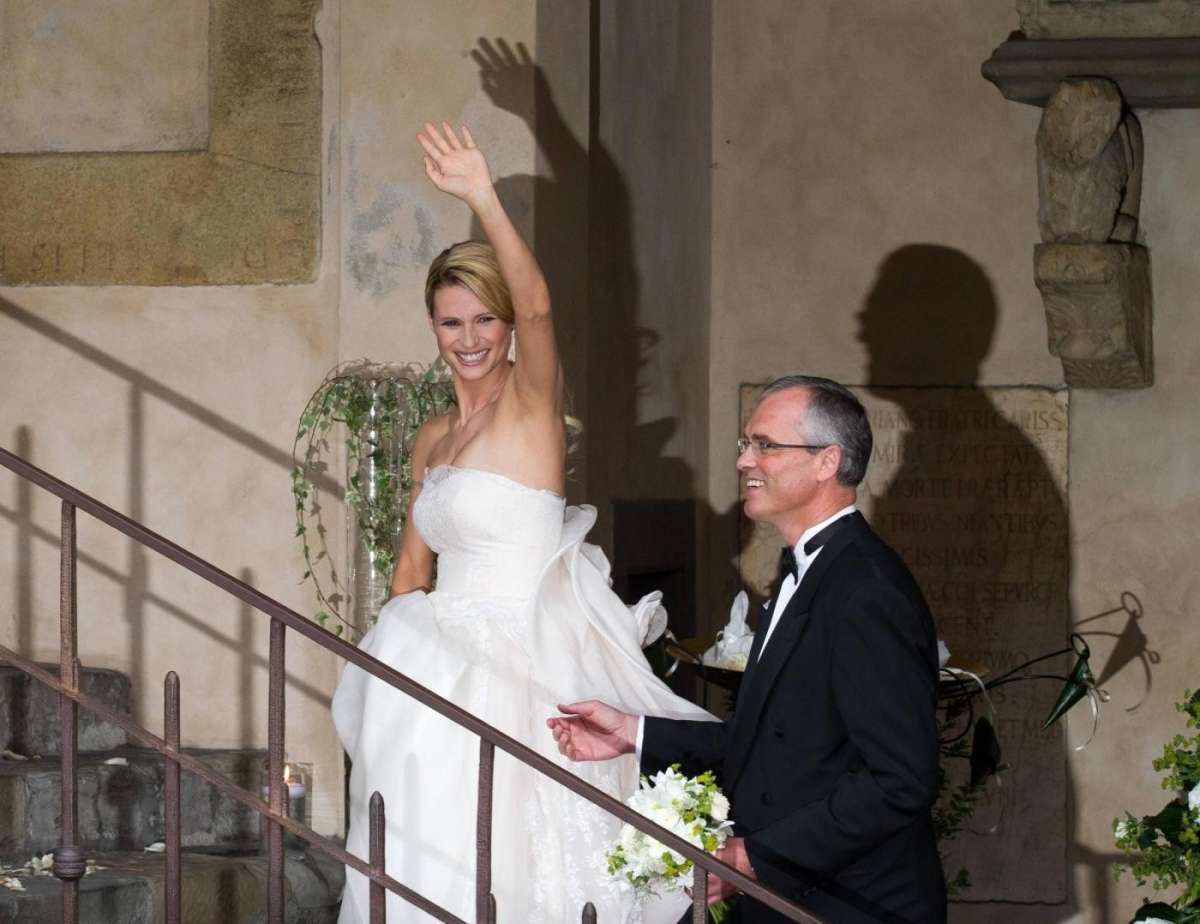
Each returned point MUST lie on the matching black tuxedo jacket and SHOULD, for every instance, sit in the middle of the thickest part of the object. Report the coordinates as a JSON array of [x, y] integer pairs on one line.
[[831, 758]]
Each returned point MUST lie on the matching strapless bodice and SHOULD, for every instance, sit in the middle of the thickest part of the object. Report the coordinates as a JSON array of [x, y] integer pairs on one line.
[[492, 535]]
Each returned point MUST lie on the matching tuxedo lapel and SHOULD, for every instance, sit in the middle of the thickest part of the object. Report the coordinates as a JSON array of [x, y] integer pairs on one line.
[[760, 632], [763, 671]]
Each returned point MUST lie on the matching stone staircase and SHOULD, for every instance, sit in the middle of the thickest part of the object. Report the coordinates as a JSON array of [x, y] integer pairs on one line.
[[121, 813]]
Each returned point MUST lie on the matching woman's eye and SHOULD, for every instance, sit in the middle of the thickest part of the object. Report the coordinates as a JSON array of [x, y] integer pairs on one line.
[[486, 319]]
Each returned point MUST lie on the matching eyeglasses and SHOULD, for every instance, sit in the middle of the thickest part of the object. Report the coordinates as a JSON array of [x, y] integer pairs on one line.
[[763, 447]]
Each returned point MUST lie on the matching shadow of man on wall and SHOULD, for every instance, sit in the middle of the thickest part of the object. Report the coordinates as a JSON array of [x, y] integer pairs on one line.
[[968, 484]]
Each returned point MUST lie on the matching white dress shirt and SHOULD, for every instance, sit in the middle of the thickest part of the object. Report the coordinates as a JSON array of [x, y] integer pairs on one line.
[[803, 562]]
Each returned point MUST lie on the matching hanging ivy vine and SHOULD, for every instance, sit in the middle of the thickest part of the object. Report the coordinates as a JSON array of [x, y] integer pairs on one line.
[[380, 407]]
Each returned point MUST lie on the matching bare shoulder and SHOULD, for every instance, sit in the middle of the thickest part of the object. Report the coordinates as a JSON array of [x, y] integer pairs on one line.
[[429, 434], [433, 430]]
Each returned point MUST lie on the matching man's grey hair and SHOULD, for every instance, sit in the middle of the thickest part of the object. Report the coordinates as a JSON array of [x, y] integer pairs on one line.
[[836, 418]]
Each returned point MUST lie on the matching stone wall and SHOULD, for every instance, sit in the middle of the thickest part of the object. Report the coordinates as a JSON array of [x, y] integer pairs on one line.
[[874, 212], [177, 403]]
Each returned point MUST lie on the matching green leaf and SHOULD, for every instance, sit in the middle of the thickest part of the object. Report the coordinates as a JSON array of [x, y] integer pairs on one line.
[[1169, 822]]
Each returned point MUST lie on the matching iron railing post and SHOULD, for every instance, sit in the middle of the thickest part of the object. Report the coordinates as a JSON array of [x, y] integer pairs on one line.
[[276, 893], [377, 845], [699, 894], [69, 862], [483, 834], [171, 806]]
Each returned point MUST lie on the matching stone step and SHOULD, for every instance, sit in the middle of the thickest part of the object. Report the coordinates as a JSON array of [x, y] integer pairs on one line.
[[128, 888], [29, 711], [121, 802]]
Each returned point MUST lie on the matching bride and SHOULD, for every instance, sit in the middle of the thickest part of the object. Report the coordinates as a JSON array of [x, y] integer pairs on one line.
[[522, 617]]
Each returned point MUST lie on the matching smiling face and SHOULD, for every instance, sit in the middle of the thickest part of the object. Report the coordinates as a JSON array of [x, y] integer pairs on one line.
[[471, 339], [791, 489]]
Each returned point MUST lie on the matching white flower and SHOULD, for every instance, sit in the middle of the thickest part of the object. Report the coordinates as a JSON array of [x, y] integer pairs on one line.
[[12, 884], [1153, 921], [645, 866], [1194, 801]]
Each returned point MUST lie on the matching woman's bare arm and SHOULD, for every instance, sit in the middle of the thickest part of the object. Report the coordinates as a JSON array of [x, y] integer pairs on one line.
[[414, 564], [458, 168]]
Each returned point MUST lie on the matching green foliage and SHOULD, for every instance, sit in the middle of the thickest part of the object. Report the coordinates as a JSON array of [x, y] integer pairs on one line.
[[955, 804], [1164, 849], [380, 408]]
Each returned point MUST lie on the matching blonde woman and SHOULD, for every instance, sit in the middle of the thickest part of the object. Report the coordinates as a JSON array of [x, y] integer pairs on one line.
[[521, 618]]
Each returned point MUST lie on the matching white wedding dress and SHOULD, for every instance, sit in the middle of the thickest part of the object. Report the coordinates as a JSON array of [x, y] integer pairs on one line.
[[522, 619]]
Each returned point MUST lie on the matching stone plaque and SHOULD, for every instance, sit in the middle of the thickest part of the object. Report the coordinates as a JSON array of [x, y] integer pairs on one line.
[[245, 209], [77, 75], [969, 485]]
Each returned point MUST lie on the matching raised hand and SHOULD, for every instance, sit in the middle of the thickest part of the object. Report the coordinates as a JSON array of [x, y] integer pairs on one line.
[[455, 167], [597, 731]]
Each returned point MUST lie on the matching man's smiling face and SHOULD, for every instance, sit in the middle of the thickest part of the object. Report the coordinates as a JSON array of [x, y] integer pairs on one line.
[[782, 486]]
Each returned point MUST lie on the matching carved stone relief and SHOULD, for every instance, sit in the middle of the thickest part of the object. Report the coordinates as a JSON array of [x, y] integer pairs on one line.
[[244, 210], [1093, 277]]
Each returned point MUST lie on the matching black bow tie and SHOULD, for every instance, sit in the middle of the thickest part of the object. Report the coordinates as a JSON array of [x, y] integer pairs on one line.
[[787, 564], [787, 556]]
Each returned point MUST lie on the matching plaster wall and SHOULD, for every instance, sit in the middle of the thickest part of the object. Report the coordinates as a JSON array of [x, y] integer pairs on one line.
[[849, 130], [178, 405]]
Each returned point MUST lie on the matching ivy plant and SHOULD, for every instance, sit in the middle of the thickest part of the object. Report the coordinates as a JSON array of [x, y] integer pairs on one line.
[[1164, 849], [380, 408]]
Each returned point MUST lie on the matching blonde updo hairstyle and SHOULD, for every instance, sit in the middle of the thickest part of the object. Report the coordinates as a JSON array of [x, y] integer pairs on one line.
[[473, 265]]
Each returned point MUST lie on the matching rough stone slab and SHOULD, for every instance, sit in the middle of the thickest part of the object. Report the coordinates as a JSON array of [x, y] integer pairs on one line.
[[29, 722], [1083, 19], [130, 888], [121, 807], [1098, 312], [150, 93], [246, 210], [1161, 73]]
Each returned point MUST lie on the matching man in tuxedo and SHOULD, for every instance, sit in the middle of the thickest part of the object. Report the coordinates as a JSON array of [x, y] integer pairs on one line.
[[831, 757]]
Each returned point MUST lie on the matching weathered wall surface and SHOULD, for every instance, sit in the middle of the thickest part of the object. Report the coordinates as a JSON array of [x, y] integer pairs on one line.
[[175, 405], [178, 405], [874, 213]]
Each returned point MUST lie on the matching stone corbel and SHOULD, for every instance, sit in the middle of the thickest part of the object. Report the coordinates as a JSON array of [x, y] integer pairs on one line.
[[1093, 276], [1087, 62]]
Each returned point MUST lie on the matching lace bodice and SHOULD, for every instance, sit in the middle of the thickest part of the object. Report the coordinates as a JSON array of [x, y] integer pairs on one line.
[[492, 535]]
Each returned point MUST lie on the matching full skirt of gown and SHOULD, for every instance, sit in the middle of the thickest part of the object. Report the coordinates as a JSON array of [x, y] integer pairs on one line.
[[522, 619]]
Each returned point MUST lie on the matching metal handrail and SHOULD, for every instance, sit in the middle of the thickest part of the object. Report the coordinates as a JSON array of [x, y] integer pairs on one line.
[[69, 863]]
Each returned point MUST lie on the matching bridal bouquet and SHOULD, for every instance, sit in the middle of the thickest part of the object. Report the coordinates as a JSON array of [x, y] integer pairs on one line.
[[693, 808]]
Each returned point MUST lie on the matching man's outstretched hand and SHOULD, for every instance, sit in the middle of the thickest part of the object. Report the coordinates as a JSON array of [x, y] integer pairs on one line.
[[594, 730]]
